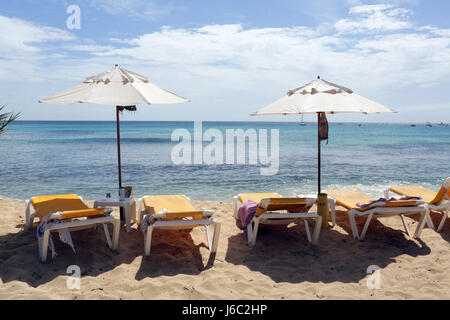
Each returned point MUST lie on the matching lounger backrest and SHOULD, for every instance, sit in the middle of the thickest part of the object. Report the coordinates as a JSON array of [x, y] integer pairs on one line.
[[348, 198], [172, 205], [46, 205], [415, 191], [443, 193], [257, 197], [285, 204]]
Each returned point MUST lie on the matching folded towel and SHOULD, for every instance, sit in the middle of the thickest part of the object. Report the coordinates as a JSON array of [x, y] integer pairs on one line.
[[381, 201], [246, 212]]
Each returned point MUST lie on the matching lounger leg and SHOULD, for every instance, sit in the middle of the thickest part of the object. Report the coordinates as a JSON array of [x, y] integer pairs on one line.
[[405, 225], [249, 231], [421, 224], [386, 193], [351, 217], [133, 206], [308, 234], [235, 204], [116, 233], [366, 226], [43, 245], [254, 233], [317, 228], [208, 236], [444, 217], [332, 205], [430, 223], [108, 237], [215, 242], [127, 212], [148, 241], [28, 218]]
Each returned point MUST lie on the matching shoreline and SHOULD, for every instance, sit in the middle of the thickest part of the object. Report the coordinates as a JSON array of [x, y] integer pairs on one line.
[[281, 266]]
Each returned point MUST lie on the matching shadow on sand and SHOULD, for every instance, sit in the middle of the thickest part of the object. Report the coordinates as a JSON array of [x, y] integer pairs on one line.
[[173, 252], [338, 257]]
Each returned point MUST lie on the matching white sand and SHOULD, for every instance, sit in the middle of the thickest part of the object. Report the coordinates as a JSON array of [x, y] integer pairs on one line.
[[281, 266]]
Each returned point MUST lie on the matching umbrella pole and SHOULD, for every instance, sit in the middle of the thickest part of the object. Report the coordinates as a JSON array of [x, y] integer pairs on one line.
[[122, 216], [118, 147], [318, 149]]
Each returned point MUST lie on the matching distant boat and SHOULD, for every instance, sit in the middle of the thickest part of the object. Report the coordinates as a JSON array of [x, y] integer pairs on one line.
[[302, 123], [428, 124], [359, 125], [413, 125]]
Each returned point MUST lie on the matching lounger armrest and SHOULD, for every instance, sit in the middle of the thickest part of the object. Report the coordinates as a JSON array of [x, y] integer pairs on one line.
[[80, 213], [182, 214]]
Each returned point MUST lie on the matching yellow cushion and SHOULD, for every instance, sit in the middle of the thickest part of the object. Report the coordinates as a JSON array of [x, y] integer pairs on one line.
[[46, 205], [176, 205], [348, 198], [257, 197], [415, 191]]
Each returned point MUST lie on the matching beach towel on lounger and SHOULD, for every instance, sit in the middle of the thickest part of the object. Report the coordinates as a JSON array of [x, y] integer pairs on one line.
[[64, 235], [382, 201], [246, 212]]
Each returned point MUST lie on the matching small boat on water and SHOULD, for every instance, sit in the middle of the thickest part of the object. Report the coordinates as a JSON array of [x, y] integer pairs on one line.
[[302, 123], [413, 125], [428, 124]]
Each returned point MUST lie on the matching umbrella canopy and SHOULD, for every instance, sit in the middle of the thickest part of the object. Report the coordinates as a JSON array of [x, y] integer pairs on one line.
[[320, 96], [117, 87]]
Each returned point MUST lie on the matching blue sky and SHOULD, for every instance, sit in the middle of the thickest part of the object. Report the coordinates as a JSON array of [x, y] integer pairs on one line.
[[229, 57]]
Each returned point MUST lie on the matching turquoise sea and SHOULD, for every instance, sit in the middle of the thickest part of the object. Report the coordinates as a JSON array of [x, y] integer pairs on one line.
[[43, 157]]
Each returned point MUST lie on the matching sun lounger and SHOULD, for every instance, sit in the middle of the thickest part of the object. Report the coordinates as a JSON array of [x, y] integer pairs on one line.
[[436, 201], [274, 209], [59, 212], [349, 198], [174, 212]]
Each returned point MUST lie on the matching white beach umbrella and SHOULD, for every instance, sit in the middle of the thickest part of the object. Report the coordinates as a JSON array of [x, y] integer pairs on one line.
[[117, 87], [321, 97]]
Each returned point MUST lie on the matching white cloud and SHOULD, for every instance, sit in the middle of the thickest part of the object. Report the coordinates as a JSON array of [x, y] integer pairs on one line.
[[375, 18], [22, 47], [232, 65], [19, 37]]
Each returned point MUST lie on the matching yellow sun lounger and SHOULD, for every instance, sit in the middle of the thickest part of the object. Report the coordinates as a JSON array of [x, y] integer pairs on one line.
[[274, 209], [349, 198], [174, 212], [66, 211], [436, 201]]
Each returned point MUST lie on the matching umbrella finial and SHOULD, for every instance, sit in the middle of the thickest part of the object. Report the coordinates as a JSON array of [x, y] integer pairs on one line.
[[116, 65], [318, 77]]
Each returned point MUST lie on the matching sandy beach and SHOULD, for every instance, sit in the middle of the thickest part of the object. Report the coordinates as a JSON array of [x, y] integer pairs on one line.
[[281, 266]]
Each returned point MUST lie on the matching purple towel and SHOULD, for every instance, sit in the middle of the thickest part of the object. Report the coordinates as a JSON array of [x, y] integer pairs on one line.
[[246, 212], [363, 205]]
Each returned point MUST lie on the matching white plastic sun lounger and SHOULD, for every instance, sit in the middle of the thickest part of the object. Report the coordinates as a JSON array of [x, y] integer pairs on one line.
[[349, 198], [66, 210], [438, 202], [276, 210], [172, 212]]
